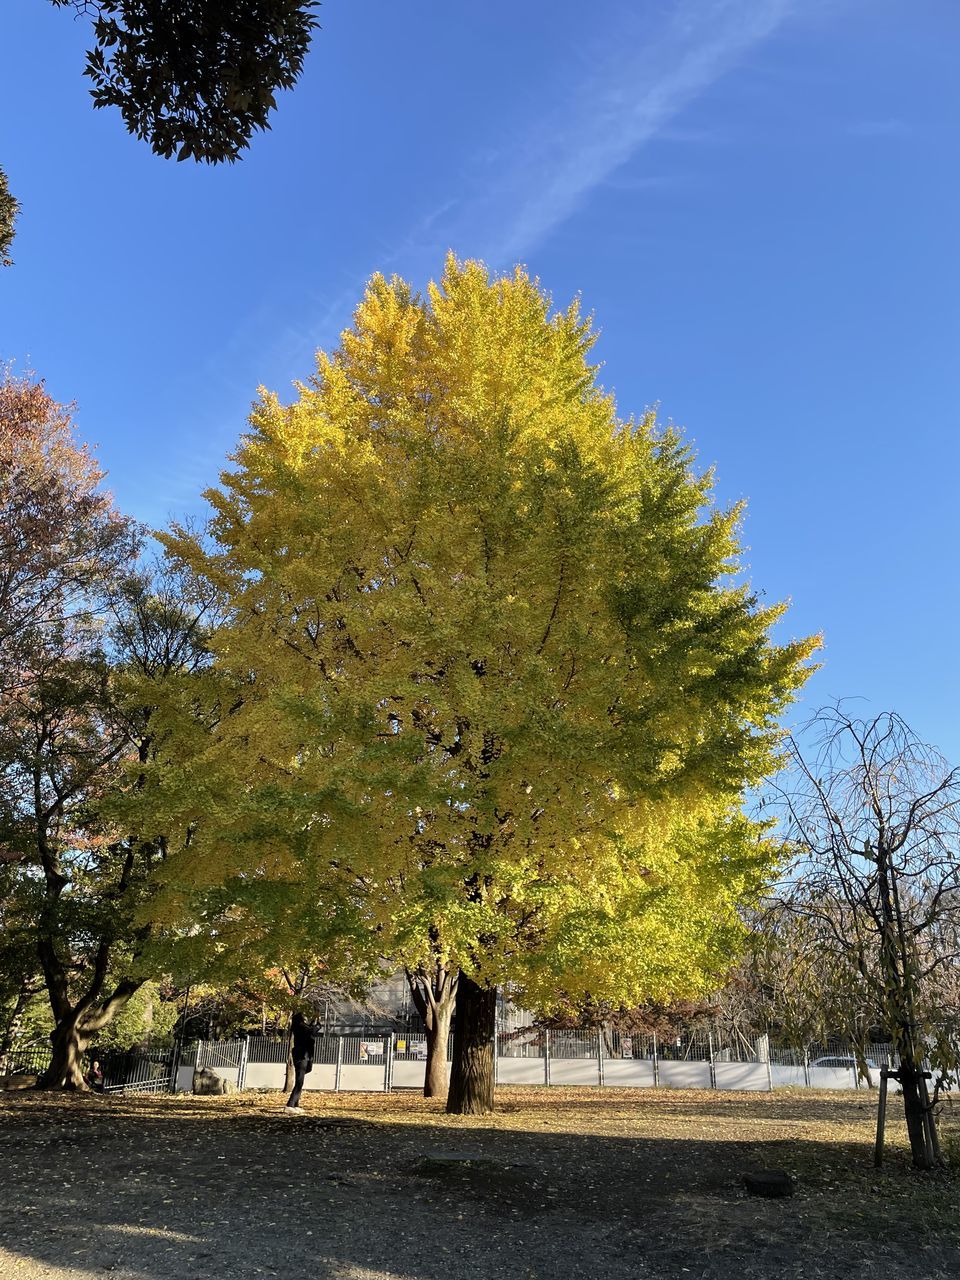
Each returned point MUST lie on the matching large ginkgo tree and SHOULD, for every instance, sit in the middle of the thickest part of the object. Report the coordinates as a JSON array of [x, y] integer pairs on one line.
[[489, 677]]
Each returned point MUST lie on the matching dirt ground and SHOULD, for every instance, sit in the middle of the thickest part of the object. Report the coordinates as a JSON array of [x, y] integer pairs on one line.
[[564, 1182]]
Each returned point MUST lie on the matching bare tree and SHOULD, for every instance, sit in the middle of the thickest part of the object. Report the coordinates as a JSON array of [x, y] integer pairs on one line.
[[808, 993], [872, 817]]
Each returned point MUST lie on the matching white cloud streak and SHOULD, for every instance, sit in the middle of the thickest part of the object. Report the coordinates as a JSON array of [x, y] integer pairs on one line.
[[643, 79]]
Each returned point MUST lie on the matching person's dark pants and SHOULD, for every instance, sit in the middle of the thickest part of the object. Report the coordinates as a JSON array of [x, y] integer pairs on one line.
[[300, 1066]]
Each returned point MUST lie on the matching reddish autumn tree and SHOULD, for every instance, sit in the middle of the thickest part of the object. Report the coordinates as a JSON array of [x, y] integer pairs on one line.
[[79, 627], [62, 541]]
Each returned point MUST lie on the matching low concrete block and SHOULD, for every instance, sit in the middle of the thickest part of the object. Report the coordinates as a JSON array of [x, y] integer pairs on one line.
[[207, 1081]]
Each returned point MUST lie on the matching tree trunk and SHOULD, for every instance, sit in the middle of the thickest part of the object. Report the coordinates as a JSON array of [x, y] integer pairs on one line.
[[860, 1058], [290, 1078], [76, 1026], [930, 1115], [471, 1077], [438, 1037], [916, 1117], [66, 1065], [897, 963], [433, 994]]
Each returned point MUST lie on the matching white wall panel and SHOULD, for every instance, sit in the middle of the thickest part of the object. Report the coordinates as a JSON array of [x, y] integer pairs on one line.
[[684, 1075], [741, 1075], [574, 1071], [520, 1071], [628, 1073], [361, 1079]]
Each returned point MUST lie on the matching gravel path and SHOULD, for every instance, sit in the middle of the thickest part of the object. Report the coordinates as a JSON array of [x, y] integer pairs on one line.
[[568, 1183]]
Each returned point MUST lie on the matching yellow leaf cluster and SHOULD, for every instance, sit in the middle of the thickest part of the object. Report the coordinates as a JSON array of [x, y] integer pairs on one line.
[[487, 676]]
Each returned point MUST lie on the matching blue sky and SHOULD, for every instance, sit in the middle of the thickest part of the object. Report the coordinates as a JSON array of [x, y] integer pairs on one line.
[[758, 199]]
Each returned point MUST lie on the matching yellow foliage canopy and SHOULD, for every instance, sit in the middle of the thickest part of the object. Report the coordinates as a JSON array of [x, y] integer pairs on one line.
[[488, 675]]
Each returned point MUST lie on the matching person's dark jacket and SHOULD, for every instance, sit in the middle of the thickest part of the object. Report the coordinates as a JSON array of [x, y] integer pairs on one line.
[[302, 1049]]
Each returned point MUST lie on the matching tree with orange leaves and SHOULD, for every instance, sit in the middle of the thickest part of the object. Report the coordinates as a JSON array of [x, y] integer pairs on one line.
[[62, 541], [77, 621]]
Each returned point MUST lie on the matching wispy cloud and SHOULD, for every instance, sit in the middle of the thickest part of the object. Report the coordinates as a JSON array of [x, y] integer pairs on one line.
[[522, 186], [637, 79], [640, 82]]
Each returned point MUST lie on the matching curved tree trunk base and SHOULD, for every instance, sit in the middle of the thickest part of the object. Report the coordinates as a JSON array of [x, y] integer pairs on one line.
[[65, 1071]]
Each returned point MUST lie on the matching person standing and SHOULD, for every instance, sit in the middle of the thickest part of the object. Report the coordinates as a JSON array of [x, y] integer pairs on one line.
[[301, 1050]]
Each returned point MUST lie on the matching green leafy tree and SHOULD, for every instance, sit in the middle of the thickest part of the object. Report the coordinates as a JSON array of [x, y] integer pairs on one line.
[[20, 979], [9, 208], [145, 1018], [195, 78], [263, 950], [73, 745], [491, 675], [199, 77]]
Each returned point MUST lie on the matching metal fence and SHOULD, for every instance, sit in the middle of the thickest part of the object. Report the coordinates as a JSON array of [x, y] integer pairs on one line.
[[26, 1059], [524, 1055], [382, 1061], [878, 1055], [832, 1064], [138, 1070]]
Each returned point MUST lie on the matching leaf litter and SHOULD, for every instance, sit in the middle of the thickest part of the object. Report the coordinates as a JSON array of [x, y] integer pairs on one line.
[[557, 1182]]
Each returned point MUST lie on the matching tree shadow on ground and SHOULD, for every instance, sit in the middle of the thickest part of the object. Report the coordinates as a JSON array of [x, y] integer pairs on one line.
[[189, 1188], [800, 1104]]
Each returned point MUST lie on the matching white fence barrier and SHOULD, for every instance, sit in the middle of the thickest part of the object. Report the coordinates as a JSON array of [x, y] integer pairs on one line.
[[572, 1071], [684, 1075], [787, 1076], [743, 1075], [521, 1071], [409, 1074], [832, 1077], [629, 1073], [528, 1057]]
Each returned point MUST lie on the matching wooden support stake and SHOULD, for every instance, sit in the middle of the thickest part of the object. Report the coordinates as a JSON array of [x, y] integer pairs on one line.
[[881, 1118], [929, 1120]]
